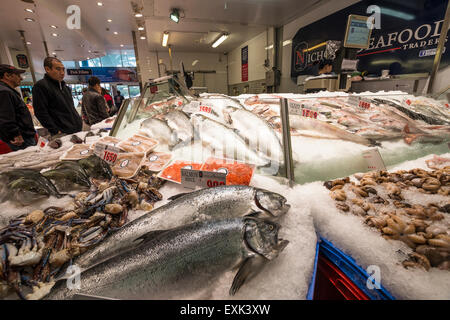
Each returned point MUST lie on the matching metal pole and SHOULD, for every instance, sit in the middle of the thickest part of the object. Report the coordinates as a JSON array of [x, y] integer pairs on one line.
[[30, 59], [157, 62], [287, 146], [440, 49], [46, 49], [138, 63]]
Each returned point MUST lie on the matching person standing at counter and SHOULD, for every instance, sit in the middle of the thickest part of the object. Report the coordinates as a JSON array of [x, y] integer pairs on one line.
[[53, 102], [93, 103], [16, 124]]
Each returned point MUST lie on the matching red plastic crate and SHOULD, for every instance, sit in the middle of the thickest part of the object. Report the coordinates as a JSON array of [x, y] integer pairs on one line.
[[333, 284]]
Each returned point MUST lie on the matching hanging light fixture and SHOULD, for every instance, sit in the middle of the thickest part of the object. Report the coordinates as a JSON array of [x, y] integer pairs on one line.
[[219, 40], [165, 39], [175, 15]]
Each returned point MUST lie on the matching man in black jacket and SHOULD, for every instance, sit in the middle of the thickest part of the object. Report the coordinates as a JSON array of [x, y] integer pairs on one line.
[[52, 100], [94, 104], [16, 125]]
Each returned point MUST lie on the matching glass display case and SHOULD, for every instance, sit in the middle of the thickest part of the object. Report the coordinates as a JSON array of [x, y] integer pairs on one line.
[[330, 135]]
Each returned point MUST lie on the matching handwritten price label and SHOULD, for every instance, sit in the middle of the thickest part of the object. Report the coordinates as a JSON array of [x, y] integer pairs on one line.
[[106, 152], [360, 102], [364, 104], [205, 109], [309, 113]]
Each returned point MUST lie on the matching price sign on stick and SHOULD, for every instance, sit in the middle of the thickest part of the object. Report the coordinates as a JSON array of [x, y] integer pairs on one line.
[[374, 160], [294, 107], [107, 152]]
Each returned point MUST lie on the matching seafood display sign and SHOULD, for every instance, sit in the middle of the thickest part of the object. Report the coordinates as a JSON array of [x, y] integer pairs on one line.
[[300, 110], [107, 152], [204, 179], [374, 160], [359, 102], [294, 107]]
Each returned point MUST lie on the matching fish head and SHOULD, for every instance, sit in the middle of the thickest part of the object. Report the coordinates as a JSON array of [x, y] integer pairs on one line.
[[271, 202], [261, 236]]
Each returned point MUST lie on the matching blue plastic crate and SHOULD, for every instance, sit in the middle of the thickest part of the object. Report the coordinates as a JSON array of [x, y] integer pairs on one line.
[[352, 270], [310, 295]]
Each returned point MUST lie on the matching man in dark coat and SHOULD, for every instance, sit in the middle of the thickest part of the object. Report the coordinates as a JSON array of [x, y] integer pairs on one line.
[[53, 102], [94, 104], [16, 125]]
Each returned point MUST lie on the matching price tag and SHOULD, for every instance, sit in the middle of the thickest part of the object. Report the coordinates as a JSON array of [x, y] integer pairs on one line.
[[206, 109], [42, 142], [373, 160], [192, 107], [204, 179], [107, 152], [309, 113], [295, 108], [359, 102]]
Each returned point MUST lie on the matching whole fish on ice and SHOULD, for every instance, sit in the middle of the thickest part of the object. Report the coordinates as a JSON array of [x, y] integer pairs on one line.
[[178, 263], [212, 203]]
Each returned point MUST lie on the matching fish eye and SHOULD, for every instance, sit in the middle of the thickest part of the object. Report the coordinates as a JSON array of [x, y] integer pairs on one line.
[[270, 227]]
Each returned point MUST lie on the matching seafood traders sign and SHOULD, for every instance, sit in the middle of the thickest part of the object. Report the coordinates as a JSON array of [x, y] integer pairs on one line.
[[406, 40]]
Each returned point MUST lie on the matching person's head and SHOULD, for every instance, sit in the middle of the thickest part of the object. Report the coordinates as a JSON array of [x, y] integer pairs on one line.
[[10, 75], [94, 83], [84, 90], [325, 66], [118, 92], [54, 68]]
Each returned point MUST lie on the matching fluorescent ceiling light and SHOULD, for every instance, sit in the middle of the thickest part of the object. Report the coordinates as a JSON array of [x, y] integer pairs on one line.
[[194, 63], [115, 32], [29, 10], [165, 39], [138, 15], [54, 34], [175, 15], [53, 26], [222, 38], [140, 28], [29, 19], [269, 47], [28, 42], [109, 20], [121, 45], [143, 38], [287, 42], [397, 14], [100, 4]]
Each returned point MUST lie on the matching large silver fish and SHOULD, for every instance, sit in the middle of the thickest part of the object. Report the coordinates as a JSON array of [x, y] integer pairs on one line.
[[178, 263], [159, 130], [212, 203], [180, 123], [325, 130], [225, 140], [256, 131]]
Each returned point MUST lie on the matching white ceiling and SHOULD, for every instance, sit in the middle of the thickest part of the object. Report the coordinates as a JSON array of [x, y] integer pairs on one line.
[[202, 21]]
